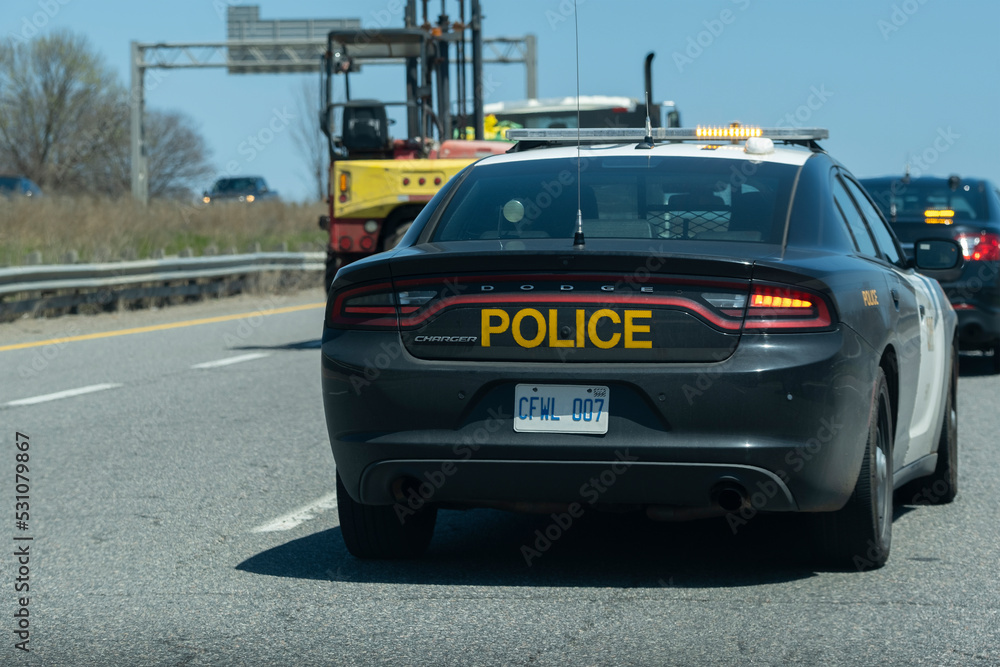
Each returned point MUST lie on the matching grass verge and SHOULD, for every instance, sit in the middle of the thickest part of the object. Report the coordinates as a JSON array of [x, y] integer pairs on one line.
[[98, 230]]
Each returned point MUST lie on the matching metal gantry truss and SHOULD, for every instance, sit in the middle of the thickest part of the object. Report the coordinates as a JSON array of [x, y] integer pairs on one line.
[[256, 57], [277, 55]]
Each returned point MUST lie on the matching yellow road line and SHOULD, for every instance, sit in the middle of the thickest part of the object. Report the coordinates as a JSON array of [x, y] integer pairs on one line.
[[161, 327]]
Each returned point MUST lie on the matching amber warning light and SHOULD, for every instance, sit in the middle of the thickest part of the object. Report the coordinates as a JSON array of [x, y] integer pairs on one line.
[[730, 132], [934, 216], [700, 133]]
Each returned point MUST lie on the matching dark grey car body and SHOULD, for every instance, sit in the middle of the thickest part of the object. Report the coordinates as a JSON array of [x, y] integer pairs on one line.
[[420, 400]]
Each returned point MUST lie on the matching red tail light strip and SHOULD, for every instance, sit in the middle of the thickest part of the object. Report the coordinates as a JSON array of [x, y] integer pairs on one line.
[[777, 318], [340, 314], [338, 304], [805, 310], [371, 310], [582, 299]]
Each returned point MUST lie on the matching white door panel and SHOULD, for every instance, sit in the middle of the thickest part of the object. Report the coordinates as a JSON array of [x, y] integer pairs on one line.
[[934, 354]]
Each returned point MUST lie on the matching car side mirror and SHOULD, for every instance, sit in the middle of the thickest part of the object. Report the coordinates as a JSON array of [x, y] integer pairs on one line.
[[939, 258]]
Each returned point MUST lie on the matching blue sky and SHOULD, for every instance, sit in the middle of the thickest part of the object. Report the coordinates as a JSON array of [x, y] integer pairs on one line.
[[893, 80]]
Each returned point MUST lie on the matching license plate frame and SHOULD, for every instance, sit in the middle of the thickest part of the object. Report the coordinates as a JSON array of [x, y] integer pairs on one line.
[[561, 408]]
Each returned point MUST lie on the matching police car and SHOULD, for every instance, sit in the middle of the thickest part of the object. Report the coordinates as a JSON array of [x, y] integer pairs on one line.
[[682, 322]]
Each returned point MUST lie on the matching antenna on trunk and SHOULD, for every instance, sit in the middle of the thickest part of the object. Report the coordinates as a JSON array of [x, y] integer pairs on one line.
[[578, 240], [647, 141]]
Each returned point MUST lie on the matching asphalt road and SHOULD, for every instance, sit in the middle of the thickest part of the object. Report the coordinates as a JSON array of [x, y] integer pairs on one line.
[[181, 514]]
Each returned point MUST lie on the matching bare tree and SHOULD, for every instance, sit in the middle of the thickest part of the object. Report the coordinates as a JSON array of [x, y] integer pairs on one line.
[[64, 123], [54, 92], [103, 149], [177, 156], [308, 138]]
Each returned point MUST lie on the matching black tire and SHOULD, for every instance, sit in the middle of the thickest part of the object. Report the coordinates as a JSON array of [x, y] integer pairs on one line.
[[383, 531], [941, 487], [996, 358], [859, 535]]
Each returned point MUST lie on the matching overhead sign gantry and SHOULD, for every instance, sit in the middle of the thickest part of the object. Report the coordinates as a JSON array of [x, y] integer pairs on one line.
[[255, 46]]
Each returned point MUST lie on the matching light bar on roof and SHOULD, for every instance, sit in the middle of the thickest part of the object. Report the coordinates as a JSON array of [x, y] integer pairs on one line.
[[727, 132], [630, 135]]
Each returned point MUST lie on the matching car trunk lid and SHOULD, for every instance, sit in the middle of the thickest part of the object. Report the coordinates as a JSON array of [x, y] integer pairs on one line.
[[615, 302]]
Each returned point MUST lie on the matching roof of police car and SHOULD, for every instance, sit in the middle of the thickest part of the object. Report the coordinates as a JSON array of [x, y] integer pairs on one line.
[[791, 155]]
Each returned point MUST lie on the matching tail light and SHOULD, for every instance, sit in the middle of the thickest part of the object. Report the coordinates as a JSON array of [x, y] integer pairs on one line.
[[769, 307], [786, 308], [367, 307], [982, 247], [374, 306]]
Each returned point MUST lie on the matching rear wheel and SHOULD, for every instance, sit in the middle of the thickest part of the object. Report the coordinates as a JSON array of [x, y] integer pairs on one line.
[[383, 531], [942, 487], [996, 357], [860, 534]]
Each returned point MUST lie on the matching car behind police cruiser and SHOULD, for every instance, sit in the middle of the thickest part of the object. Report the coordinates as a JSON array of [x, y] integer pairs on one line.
[[964, 209], [712, 319]]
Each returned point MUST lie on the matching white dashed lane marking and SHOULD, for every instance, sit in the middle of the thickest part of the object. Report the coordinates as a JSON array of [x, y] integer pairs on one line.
[[231, 360], [61, 394], [301, 515]]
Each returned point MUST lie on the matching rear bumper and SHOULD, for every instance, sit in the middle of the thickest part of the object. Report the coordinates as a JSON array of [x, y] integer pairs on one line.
[[625, 481], [977, 328], [785, 419], [976, 300]]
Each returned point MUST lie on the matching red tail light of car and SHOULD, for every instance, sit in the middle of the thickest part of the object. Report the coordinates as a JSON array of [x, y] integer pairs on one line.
[[982, 247]]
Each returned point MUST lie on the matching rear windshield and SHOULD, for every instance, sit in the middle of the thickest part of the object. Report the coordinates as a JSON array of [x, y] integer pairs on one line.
[[909, 200], [638, 197]]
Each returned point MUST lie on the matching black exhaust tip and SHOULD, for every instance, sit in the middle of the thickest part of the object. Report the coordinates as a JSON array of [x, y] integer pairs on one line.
[[730, 496]]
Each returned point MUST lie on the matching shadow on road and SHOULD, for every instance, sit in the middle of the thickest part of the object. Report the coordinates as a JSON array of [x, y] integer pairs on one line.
[[301, 345], [493, 548]]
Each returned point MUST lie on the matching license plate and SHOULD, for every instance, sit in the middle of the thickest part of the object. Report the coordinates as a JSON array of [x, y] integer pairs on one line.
[[561, 408]]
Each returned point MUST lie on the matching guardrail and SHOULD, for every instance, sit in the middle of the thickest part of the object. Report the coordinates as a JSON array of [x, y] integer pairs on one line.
[[67, 287]]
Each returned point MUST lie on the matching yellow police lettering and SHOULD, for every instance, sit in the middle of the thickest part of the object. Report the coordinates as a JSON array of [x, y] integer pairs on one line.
[[490, 328], [554, 340], [635, 327], [516, 328], [631, 328], [592, 328], [870, 297]]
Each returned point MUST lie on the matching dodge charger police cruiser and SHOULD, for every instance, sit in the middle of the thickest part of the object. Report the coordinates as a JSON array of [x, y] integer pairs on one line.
[[558, 307]]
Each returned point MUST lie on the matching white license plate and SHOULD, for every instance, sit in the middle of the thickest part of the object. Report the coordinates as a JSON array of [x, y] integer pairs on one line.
[[561, 408]]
